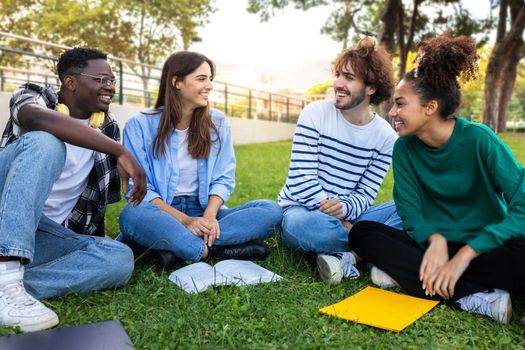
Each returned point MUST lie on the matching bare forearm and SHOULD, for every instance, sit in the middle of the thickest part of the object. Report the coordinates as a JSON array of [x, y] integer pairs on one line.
[[466, 253], [34, 117], [180, 216], [214, 204]]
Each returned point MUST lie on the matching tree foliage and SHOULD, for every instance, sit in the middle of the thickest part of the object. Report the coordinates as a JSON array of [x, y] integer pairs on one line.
[[398, 24], [145, 31]]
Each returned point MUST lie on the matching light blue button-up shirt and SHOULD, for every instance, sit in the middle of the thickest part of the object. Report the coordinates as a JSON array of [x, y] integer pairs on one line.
[[216, 172]]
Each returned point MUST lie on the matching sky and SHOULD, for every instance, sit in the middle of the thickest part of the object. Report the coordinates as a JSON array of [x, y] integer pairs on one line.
[[287, 52]]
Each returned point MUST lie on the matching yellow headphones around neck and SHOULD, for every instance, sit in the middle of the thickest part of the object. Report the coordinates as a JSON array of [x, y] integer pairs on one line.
[[95, 120]]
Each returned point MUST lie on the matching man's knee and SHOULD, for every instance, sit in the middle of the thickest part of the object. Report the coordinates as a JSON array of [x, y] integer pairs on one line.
[[124, 264], [295, 225], [273, 210], [313, 231], [117, 263], [45, 148], [306, 223]]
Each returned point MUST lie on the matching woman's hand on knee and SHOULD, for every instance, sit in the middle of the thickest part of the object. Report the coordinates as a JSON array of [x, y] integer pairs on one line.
[[215, 231], [445, 279], [199, 226], [435, 257]]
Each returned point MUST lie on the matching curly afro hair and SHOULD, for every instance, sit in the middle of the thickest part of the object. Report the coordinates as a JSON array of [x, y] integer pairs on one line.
[[440, 62], [371, 63], [77, 57]]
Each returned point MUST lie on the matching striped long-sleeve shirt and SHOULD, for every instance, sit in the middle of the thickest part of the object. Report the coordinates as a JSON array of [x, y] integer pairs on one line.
[[332, 158]]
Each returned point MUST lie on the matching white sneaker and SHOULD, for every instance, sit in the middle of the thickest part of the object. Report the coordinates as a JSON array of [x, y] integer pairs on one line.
[[333, 267], [494, 303], [17, 307], [381, 279]]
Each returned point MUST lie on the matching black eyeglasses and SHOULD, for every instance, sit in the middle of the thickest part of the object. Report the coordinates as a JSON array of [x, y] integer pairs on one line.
[[102, 80]]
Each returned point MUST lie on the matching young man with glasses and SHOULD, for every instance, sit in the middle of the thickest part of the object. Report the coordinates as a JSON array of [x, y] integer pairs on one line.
[[59, 164]]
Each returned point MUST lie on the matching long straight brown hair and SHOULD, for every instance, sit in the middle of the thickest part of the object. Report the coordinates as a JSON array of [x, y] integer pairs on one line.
[[179, 65]]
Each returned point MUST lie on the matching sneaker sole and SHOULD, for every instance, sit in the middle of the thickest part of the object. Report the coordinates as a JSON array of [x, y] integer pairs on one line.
[[377, 277], [40, 326], [329, 269], [507, 314]]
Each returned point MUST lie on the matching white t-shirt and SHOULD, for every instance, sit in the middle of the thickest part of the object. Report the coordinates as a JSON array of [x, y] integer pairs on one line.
[[188, 183], [71, 183]]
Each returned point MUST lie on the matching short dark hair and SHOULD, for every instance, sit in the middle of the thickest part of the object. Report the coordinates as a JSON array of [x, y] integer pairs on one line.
[[440, 62], [77, 57], [371, 63]]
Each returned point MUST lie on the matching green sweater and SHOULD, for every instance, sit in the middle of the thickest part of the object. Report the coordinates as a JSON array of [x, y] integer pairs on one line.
[[471, 190]]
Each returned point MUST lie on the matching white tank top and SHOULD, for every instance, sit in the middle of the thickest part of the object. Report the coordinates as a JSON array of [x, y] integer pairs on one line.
[[188, 183]]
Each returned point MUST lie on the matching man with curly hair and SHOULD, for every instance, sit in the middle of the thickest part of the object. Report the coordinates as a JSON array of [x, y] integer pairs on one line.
[[340, 154], [59, 156]]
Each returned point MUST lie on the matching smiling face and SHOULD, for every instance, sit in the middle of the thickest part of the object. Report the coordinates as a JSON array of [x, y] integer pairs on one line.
[[409, 113], [195, 88], [350, 90], [90, 94]]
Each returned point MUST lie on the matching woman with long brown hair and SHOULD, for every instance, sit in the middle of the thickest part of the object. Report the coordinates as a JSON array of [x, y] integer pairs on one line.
[[186, 150]]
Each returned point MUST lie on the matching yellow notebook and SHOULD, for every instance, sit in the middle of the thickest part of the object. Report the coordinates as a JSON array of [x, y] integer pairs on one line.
[[381, 308]]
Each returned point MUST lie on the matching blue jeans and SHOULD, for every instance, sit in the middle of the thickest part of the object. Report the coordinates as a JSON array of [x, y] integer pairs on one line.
[[313, 231], [153, 228], [60, 261]]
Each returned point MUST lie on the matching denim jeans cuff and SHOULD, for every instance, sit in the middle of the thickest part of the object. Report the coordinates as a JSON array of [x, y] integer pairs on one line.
[[25, 255], [200, 253]]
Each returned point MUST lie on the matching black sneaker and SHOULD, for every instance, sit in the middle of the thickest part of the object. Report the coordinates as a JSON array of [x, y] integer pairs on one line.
[[252, 250], [167, 259]]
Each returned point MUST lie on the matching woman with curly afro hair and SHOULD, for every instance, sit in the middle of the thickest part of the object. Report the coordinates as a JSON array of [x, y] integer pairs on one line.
[[458, 189]]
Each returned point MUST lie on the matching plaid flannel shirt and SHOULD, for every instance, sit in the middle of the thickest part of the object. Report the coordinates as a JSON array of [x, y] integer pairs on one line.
[[103, 185]]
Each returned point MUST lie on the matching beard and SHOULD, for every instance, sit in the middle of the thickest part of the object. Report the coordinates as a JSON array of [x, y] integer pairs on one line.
[[354, 101]]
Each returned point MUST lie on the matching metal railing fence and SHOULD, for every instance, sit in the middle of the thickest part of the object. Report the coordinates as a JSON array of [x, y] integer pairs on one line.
[[36, 63]]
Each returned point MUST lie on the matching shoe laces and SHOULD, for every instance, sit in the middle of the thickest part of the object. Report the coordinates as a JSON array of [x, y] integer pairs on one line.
[[480, 302], [15, 294], [348, 264], [481, 305]]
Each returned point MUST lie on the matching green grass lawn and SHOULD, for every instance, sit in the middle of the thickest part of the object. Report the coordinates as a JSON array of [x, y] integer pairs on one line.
[[159, 315]]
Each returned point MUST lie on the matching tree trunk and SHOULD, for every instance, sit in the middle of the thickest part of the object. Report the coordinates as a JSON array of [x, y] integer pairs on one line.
[[146, 72], [508, 76], [403, 55], [491, 90], [401, 40], [389, 27], [501, 70], [502, 21], [508, 79], [387, 40]]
